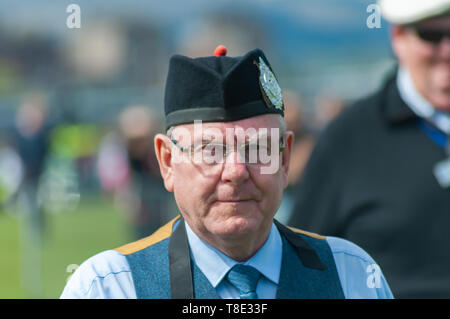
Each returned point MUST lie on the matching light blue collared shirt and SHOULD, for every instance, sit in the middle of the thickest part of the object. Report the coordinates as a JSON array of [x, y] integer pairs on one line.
[[418, 104], [108, 275], [215, 265]]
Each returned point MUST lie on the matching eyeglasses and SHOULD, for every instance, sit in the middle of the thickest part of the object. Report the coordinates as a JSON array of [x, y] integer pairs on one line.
[[430, 35], [211, 154]]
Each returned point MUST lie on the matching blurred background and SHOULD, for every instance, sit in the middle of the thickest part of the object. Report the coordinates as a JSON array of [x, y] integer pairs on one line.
[[79, 108]]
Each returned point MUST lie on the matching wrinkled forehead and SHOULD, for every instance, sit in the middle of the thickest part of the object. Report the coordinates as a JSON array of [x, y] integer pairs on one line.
[[257, 126]]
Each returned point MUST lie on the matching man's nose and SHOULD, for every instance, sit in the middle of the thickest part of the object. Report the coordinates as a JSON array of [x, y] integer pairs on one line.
[[235, 169]]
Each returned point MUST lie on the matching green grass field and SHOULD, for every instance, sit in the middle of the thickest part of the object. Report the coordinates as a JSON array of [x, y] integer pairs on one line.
[[72, 237]]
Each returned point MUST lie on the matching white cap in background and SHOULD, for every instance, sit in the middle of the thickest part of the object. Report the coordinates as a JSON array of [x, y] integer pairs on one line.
[[410, 11]]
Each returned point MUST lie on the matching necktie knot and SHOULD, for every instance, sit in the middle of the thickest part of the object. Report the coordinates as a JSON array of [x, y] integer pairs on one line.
[[245, 279]]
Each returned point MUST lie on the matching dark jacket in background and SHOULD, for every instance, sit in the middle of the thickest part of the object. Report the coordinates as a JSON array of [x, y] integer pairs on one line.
[[370, 180]]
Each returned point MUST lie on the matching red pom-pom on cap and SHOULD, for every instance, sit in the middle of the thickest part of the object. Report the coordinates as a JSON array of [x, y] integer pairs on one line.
[[221, 50]]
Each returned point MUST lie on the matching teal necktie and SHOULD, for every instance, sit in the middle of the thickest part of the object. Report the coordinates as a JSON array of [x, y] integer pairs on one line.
[[245, 279]]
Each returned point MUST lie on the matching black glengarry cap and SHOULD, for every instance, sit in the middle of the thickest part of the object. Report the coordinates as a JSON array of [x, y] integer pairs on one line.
[[220, 88]]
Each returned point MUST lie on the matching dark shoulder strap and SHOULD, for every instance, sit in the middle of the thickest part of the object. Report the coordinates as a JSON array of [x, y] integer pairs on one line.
[[305, 252], [181, 285]]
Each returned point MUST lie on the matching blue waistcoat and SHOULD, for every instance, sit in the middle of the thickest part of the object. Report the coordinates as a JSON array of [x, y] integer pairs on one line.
[[149, 263]]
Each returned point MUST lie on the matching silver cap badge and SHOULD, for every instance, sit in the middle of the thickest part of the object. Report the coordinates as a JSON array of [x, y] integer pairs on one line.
[[270, 86]]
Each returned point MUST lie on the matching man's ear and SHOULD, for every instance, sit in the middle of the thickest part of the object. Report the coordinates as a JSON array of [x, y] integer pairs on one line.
[[397, 34], [163, 151], [286, 157]]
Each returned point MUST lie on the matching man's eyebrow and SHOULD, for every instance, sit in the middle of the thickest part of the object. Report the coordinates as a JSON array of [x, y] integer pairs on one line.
[[263, 136], [254, 138], [207, 139], [251, 139]]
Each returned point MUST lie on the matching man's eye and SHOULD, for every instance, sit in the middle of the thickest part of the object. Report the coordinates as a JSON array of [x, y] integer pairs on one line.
[[212, 149]]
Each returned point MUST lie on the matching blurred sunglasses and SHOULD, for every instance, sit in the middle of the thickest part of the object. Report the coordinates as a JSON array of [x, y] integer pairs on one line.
[[431, 36]]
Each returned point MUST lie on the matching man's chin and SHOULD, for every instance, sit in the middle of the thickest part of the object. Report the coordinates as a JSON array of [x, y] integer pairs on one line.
[[236, 225], [442, 103], [235, 208]]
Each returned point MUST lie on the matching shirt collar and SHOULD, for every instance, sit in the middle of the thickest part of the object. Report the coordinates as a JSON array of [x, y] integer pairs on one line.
[[418, 104], [215, 265], [413, 99]]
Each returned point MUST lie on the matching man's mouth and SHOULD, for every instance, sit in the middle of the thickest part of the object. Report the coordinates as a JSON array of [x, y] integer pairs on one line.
[[235, 200]]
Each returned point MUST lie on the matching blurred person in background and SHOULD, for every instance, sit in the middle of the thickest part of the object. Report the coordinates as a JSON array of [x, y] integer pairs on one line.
[[31, 140], [11, 173], [301, 149], [327, 107], [138, 126], [128, 167], [380, 173]]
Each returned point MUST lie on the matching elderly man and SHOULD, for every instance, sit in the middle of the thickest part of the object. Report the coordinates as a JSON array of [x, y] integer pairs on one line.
[[380, 173], [226, 158]]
